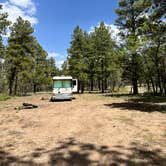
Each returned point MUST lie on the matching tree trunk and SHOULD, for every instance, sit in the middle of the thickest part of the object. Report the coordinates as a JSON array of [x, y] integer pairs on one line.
[[159, 81], [11, 86], [164, 86], [91, 84], [82, 87], [102, 76], [135, 86], [15, 87], [164, 76], [102, 86], [78, 90], [34, 88], [99, 86], [148, 85], [157, 67], [11, 81], [154, 92], [105, 84], [135, 78]]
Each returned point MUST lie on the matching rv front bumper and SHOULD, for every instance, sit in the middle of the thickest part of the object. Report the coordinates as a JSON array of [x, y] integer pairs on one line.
[[61, 97]]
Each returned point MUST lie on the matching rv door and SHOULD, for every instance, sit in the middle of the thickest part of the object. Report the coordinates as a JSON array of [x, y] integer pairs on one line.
[[75, 85]]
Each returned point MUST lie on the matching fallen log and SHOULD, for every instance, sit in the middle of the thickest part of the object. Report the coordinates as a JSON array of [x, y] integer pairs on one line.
[[29, 106], [26, 106]]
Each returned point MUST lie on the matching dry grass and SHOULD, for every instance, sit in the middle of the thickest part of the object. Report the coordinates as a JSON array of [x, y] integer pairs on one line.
[[90, 130]]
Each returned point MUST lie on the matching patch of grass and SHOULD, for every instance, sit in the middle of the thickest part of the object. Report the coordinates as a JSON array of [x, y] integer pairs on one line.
[[125, 89], [4, 97]]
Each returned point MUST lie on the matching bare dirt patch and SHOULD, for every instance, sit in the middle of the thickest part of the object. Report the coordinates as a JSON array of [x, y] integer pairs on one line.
[[90, 130]]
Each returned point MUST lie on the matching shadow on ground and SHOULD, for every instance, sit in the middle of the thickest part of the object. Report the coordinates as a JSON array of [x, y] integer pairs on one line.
[[149, 99], [143, 107], [140, 98], [144, 103], [74, 153]]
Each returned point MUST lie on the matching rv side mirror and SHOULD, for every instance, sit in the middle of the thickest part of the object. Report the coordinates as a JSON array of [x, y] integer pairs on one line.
[[74, 82]]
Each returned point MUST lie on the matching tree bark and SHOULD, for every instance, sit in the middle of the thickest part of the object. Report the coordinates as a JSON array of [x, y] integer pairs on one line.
[[154, 91], [34, 88], [135, 86], [157, 67], [16, 85], [82, 87], [134, 75], [99, 86], [105, 84], [148, 85], [102, 76], [11, 81], [91, 84]]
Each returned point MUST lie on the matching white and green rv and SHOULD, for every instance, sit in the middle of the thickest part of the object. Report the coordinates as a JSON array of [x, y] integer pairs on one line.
[[63, 88]]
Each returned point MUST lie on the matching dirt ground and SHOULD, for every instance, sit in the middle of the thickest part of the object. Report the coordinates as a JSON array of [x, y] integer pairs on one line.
[[90, 130]]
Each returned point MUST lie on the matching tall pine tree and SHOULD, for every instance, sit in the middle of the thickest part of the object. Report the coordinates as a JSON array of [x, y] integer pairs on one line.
[[4, 23], [76, 57], [129, 21], [102, 48], [19, 53]]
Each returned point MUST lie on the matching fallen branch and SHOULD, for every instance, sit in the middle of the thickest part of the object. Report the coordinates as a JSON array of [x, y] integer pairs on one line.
[[26, 106], [29, 106]]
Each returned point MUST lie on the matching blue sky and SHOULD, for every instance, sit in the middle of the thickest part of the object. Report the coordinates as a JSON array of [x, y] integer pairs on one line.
[[54, 20]]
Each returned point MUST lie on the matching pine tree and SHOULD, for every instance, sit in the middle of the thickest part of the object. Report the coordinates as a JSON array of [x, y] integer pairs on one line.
[[153, 34], [65, 68], [4, 23], [76, 57], [90, 59], [53, 69], [19, 53], [129, 21], [102, 45], [41, 74]]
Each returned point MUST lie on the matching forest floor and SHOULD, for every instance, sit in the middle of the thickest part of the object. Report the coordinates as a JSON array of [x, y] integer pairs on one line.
[[92, 130]]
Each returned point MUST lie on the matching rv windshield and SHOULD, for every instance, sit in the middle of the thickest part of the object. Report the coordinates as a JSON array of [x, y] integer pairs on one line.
[[62, 84]]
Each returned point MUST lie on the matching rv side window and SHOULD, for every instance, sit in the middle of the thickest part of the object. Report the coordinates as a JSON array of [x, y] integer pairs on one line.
[[74, 83]]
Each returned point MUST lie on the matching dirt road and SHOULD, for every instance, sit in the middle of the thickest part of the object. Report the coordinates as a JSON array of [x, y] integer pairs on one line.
[[90, 130]]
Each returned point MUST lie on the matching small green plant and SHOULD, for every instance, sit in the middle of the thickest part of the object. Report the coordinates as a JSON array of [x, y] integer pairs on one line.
[[4, 97]]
